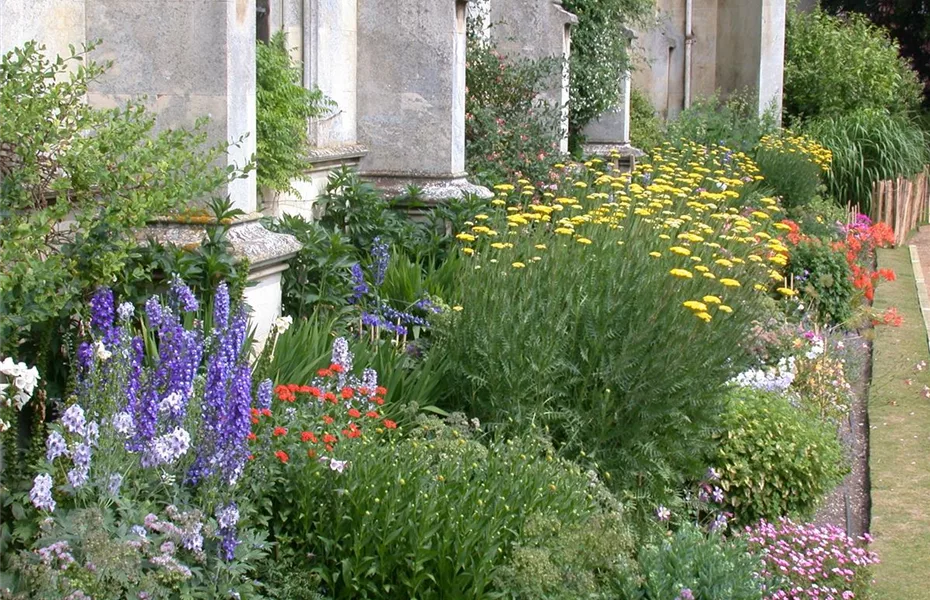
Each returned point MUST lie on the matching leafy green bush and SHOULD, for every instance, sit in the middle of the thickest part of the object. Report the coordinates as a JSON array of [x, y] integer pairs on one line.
[[822, 218], [707, 565], [77, 181], [869, 146], [646, 130], [283, 109], [792, 166], [435, 514], [823, 275], [839, 65], [600, 54], [734, 123], [774, 459], [509, 131], [586, 318]]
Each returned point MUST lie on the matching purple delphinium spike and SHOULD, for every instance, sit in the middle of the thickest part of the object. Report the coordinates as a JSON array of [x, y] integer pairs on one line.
[[102, 314], [360, 287], [182, 295], [154, 311], [227, 518], [221, 307], [237, 425], [263, 397], [381, 256]]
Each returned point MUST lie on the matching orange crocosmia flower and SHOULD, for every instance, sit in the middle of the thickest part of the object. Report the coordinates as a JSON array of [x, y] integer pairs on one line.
[[266, 412], [347, 393], [254, 420], [279, 431], [378, 400], [304, 389], [336, 368], [327, 419], [251, 437], [282, 456], [363, 390], [353, 412], [329, 438], [324, 372], [315, 391], [330, 397], [307, 436], [390, 424], [292, 387], [371, 414], [255, 412], [329, 447], [381, 391]]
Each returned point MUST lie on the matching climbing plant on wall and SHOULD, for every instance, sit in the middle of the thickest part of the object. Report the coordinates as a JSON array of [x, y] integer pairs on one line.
[[283, 110], [599, 55]]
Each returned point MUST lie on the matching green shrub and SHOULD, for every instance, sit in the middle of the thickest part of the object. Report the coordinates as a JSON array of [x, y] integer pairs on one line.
[[708, 565], [283, 109], [735, 123], [774, 459], [435, 514], [792, 166], [822, 218], [839, 65], [580, 324], [646, 130], [824, 277], [509, 131], [77, 182], [869, 146]]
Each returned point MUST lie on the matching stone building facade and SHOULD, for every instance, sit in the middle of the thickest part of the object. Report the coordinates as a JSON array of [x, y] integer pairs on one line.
[[699, 47]]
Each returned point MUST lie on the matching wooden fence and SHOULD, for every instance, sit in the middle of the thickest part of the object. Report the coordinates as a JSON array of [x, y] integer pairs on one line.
[[902, 203]]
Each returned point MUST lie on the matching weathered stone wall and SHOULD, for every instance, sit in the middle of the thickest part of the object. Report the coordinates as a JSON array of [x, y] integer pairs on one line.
[[735, 45], [55, 23], [189, 58]]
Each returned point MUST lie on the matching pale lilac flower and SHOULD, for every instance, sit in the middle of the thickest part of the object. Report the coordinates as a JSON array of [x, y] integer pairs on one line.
[[337, 465], [73, 420], [125, 311], [123, 424], [41, 492], [114, 484], [663, 513], [55, 446]]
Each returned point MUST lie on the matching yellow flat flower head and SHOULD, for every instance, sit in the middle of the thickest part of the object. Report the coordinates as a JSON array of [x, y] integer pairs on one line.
[[695, 305], [683, 273], [680, 250], [725, 308], [703, 316], [465, 237], [583, 240], [711, 299], [729, 282], [785, 291], [518, 265]]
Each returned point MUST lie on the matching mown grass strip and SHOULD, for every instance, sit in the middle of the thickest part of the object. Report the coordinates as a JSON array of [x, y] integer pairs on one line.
[[899, 453]]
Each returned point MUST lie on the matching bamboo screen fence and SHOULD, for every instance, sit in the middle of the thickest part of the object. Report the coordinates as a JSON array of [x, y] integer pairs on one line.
[[902, 203]]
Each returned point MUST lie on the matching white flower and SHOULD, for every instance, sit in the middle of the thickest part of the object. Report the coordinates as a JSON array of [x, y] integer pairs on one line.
[[102, 353], [282, 324]]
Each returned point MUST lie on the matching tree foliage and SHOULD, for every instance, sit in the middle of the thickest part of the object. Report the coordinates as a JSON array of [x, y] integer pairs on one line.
[[76, 181]]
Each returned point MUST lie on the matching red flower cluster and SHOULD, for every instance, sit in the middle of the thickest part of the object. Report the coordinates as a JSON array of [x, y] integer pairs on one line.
[[889, 317]]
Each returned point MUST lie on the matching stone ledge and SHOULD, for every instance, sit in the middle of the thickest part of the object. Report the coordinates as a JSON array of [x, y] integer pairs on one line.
[[434, 189], [324, 157], [263, 249]]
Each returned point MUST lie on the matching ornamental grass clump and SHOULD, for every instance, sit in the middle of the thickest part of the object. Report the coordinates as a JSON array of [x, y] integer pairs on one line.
[[609, 308], [807, 561]]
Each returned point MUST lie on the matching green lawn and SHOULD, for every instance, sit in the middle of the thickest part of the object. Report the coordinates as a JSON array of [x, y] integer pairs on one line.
[[900, 440]]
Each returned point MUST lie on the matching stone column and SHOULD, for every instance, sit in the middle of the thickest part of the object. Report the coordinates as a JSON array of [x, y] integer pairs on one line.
[[537, 29], [189, 59], [751, 50], [411, 96]]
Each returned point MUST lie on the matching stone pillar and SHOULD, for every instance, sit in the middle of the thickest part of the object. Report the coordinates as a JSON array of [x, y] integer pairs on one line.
[[537, 29], [751, 50], [411, 96], [189, 59], [479, 13]]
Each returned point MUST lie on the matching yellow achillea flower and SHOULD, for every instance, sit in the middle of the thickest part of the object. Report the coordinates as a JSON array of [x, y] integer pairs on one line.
[[759, 287], [482, 217], [457, 308], [701, 268], [711, 299], [504, 187], [564, 231], [468, 251], [723, 262], [786, 291], [498, 202], [518, 265], [710, 275], [540, 246], [683, 273], [695, 305], [583, 240], [681, 251], [703, 316], [655, 254], [465, 237], [725, 308], [775, 275], [729, 282]]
